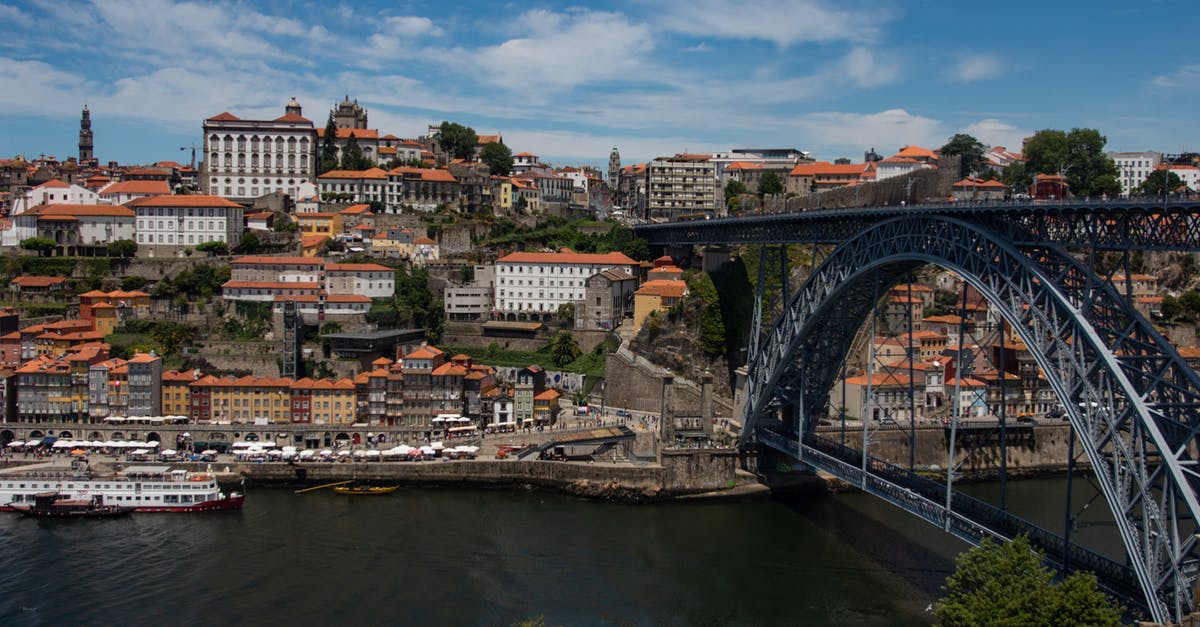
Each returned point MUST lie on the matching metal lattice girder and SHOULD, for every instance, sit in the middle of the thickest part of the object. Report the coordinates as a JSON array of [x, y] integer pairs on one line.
[[1140, 224], [1133, 402]]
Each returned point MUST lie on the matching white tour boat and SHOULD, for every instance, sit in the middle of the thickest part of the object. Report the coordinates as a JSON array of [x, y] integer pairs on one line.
[[145, 488]]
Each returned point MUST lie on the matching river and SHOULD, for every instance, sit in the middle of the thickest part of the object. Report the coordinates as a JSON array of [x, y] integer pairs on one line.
[[480, 557]]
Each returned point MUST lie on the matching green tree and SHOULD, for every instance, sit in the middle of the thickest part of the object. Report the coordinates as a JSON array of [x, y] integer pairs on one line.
[[1158, 183], [457, 140], [1015, 178], [329, 149], [712, 325], [249, 244], [563, 348], [213, 248], [1189, 304], [1078, 154], [124, 248], [969, 150], [133, 282], [1005, 583], [770, 183], [352, 155], [734, 190], [566, 312], [498, 157], [41, 245]]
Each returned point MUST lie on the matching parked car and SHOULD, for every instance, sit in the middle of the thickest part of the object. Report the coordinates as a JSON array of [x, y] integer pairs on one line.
[[621, 413]]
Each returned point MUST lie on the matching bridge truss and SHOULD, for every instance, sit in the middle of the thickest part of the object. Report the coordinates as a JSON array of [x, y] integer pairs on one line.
[[1129, 397]]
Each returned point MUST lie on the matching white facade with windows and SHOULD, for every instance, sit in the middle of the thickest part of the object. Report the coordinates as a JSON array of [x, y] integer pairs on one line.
[[250, 158], [362, 279], [178, 222], [1134, 167], [536, 284]]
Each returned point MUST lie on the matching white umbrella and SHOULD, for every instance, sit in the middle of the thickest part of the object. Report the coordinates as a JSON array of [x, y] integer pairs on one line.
[[373, 453], [152, 444], [16, 443], [208, 452], [167, 453], [437, 446], [343, 453], [307, 453], [63, 444], [326, 453]]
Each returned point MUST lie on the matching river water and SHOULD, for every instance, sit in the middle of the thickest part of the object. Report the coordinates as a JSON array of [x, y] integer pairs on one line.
[[475, 557]]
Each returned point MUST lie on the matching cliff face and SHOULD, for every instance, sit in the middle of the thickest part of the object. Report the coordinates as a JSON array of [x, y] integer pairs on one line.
[[706, 331]]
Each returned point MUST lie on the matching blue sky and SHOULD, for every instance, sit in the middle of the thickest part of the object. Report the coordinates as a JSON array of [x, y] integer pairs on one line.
[[569, 82]]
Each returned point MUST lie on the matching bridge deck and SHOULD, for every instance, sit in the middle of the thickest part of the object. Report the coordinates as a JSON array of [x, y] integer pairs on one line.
[[1142, 224]]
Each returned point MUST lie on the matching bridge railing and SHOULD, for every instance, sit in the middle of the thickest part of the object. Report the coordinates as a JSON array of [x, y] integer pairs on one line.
[[968, 518]]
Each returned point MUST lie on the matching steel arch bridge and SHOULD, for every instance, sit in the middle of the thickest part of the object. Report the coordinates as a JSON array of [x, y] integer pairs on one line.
[[1132, 401]]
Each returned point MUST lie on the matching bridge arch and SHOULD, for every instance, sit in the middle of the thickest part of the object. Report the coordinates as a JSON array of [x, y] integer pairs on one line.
[[1129, 396]]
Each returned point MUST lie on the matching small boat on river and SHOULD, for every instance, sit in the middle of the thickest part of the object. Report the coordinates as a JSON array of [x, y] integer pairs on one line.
[[59, 505], [362, 489]]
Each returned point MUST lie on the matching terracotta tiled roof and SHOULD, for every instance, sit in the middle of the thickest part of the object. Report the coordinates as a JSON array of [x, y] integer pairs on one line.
[[427, 174], [74, 211], [354, 210], [224, 116], [566, 256], [369, 173], [664, 288], [137, 187], [196, 200], [37, 281], [359, 133], [292, 117], [356, 267], [886, 379], [916, 152]]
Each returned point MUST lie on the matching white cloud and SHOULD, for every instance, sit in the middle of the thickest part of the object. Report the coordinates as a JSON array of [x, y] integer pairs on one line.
[[975, 67], [1186, 77], [410, 26], [14, 16], [56, 92], [567, 147], [866, 70], [993, 132], [564, 51], [850, 134], [783, 22]]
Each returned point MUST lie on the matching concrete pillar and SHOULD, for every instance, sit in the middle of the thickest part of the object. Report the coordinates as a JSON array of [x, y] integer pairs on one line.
[[666, 419], [706, 411]]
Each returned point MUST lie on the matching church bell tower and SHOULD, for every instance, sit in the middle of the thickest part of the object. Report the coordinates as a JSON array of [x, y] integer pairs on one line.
[[86, 152]]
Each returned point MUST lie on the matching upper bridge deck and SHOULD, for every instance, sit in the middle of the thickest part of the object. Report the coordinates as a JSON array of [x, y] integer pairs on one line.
[[1133, 224]]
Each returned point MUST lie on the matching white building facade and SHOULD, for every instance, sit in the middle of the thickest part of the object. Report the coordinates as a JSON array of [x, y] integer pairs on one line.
[[177, 222], [534, 285], [246, 159], [1134, 167], [361, 279]]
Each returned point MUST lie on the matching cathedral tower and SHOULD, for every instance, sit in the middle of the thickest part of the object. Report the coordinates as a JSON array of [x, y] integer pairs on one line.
[[86, 152], [614, 169]]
